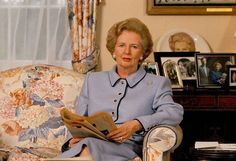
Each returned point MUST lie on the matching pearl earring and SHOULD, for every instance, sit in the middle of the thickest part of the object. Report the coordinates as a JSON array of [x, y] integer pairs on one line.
[[114, 56], [141, 58]]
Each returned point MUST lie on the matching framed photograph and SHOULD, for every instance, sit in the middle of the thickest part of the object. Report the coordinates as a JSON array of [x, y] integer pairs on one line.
[[151, 67], [191, 7], [171, 70], [232, 76], [212, 69], [183, 62]]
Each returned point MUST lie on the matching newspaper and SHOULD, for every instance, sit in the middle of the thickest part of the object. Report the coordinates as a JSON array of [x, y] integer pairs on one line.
[[97, 125], [206, 144]]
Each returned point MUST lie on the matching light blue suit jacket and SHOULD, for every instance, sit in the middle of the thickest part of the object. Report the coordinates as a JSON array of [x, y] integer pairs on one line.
[[142, 96]]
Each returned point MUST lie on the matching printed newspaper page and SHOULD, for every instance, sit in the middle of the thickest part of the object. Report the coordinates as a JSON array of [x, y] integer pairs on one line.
[[98, 125]]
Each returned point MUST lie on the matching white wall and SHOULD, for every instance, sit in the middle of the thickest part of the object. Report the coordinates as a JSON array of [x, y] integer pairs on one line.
[[217, 30]]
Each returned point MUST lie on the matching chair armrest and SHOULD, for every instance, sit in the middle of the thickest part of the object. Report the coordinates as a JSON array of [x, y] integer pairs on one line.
[[162, 139]]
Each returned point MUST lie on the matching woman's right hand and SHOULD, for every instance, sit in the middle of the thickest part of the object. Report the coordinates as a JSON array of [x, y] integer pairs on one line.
[[74, 141]]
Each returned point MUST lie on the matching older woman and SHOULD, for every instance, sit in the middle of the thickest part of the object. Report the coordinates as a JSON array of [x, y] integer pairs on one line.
[[216, 74], [181, 42], [136, 100]]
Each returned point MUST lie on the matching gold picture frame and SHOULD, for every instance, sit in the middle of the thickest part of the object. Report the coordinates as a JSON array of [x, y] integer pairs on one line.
[[196, 7]]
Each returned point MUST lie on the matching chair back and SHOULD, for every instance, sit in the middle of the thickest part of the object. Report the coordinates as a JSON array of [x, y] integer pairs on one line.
[[30, 101]]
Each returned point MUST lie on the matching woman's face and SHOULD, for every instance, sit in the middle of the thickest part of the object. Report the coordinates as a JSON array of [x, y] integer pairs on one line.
[[218, 67], [128, 50], [181, 46]]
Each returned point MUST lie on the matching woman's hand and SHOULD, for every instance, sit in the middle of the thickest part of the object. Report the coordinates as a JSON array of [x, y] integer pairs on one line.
[[74, 141], [124, 131]]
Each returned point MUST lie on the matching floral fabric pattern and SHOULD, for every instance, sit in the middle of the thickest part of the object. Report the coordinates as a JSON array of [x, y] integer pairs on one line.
[[82, 20], [19, 156], [30, 101]]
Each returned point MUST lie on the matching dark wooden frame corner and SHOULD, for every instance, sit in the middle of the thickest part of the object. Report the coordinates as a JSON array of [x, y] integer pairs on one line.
[[172, 9]]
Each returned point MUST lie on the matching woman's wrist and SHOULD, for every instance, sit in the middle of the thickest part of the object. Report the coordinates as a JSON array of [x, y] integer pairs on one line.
[[136, 125]]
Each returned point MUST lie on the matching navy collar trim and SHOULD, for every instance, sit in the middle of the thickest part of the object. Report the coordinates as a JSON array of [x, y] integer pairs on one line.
[[132, 80]]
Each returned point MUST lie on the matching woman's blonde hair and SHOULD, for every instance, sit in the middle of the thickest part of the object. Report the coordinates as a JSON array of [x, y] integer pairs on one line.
[[134, 25], [181, 37], [217, 64]]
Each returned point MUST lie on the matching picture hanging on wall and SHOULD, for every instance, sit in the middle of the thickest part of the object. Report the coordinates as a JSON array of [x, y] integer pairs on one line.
[[191, 7]]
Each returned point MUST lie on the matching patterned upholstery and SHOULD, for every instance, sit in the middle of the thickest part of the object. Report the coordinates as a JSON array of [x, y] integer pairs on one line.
[[30, 100]]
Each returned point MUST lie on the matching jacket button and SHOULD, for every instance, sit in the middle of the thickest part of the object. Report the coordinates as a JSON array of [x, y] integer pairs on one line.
[[115, 100]]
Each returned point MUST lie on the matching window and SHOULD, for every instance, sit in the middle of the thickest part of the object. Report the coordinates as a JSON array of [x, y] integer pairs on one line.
[[34, 31]]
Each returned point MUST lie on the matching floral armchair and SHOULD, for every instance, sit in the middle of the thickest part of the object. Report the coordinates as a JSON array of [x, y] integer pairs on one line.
[[30, 101]]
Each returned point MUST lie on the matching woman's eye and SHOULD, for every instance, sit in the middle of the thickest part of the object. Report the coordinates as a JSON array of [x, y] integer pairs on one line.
[[134, 46], [121, 45]]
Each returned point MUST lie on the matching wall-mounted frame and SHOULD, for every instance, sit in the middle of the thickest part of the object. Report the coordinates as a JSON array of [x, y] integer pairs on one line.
[[214, 73], [191, 7]]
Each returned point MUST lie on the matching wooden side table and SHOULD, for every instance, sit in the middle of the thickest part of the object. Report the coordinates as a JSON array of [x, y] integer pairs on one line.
[[209, 115]]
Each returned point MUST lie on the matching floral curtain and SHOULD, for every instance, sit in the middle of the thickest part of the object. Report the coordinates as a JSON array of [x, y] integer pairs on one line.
[[82, 21]]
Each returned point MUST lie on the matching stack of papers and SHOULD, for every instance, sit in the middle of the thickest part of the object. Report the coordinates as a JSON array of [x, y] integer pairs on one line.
[[228, 146], [214, 145], [206, 144]]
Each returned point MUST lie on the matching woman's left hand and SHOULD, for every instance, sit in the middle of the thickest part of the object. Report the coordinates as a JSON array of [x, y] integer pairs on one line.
[[124, 131]]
